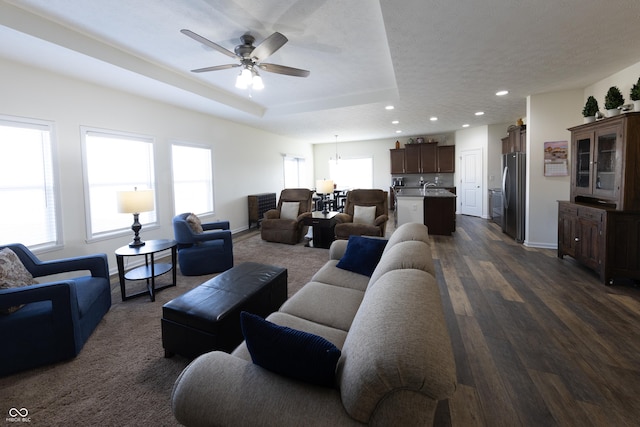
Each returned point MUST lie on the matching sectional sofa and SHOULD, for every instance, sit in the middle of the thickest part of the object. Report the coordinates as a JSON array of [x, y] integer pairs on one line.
[[394, 360]]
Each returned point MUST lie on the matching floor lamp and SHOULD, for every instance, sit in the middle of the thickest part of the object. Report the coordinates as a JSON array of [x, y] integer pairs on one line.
[[324, 187], [135, 202]]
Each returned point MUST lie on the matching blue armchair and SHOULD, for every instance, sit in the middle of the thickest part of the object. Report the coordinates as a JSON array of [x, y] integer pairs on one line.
[[203, 252], [57, 317]]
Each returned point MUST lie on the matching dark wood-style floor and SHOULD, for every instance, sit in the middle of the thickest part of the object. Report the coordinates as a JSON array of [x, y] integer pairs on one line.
[[538, 340]]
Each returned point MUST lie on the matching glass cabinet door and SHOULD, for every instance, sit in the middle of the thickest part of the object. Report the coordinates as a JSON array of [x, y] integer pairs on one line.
[[583, 164], [606, 161]]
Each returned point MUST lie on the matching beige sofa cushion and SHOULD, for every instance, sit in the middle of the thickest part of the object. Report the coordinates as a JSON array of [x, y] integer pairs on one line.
[[332, 275], [407, 232], [392, 347], [403, 255], [328, 305]]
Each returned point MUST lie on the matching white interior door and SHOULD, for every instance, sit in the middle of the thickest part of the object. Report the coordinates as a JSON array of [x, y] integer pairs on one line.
[[471, 191]]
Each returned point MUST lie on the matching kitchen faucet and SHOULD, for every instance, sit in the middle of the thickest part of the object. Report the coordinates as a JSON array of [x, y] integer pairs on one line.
[[427, 184]]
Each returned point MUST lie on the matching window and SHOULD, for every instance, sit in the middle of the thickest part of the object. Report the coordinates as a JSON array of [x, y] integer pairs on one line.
[[294, 171], [192, 179], [115, 161], [352, 173], [29, 211]]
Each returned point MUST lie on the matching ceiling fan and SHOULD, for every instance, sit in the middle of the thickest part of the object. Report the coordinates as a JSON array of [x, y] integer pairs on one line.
[[250, 58]]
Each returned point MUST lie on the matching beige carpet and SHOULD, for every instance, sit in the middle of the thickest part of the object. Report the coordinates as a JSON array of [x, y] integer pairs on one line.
[[121, 376]]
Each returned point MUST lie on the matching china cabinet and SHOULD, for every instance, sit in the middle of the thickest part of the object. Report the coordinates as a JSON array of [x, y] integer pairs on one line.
[[600, 225]]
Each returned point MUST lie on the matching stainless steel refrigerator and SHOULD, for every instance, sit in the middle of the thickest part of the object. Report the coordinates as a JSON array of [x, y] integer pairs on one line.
[[513, 195]]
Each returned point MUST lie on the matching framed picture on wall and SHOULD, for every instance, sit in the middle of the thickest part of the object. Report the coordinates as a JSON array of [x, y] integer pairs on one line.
[[556, 162]]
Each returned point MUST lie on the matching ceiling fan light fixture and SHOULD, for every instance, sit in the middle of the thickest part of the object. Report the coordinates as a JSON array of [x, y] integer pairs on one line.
[[250, 58], [244, 79], [256, 82], [240, 83]]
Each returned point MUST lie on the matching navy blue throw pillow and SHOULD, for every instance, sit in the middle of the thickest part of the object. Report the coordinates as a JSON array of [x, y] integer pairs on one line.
[[362, 255], [289, 352]]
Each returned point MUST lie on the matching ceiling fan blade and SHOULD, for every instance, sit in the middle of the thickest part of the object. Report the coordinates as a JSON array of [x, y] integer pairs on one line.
[[282, 69], [268, 46], [215, 68], [209, 43]]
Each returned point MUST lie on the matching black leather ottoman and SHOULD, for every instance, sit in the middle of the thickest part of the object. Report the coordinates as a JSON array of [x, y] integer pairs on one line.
[[207, 317]]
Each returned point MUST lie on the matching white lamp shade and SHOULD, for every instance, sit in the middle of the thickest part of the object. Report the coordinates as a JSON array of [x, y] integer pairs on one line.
[[135, 201], [324, 186], [257, 82], [240, 83]]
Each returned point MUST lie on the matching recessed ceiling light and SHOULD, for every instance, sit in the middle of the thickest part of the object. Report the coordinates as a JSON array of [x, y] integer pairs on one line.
[[502, 92], [395, 122], [466, 125], [398, 131], [389, 107], [480, 113], [433, 118]]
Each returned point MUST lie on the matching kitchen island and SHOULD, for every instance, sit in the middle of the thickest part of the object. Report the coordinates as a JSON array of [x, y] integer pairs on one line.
[[434, 207]]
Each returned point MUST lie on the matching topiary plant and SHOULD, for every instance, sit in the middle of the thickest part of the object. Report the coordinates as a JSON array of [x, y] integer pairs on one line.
[[613, 99], [635, 91], [590, 107]]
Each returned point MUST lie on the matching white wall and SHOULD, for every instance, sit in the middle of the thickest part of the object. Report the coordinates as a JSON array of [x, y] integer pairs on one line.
[[246, 160], [549, 116], [623, 79]]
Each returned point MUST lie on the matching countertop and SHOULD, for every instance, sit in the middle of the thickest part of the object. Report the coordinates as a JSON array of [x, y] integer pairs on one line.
[[429, 192]]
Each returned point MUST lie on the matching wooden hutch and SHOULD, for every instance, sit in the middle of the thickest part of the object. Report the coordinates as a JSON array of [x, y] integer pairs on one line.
[[600, 225]]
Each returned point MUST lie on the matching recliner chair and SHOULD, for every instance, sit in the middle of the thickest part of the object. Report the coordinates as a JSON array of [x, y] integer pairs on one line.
[[55, 318], [349, 224], [205, 251], [281, 226]]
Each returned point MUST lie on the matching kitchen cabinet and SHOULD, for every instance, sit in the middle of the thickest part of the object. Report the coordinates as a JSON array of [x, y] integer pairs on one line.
[[600, 225], [435, 208], [440, 215], [446, 158], [421, 158], [397, 160], [515, 141], [409, 208]]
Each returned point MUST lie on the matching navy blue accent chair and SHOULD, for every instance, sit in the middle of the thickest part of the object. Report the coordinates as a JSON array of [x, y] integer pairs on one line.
[[203, 253], [58, 316]]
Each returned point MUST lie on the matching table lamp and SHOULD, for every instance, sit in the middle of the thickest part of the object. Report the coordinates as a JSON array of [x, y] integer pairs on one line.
[[135, 202], [324, 187]]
